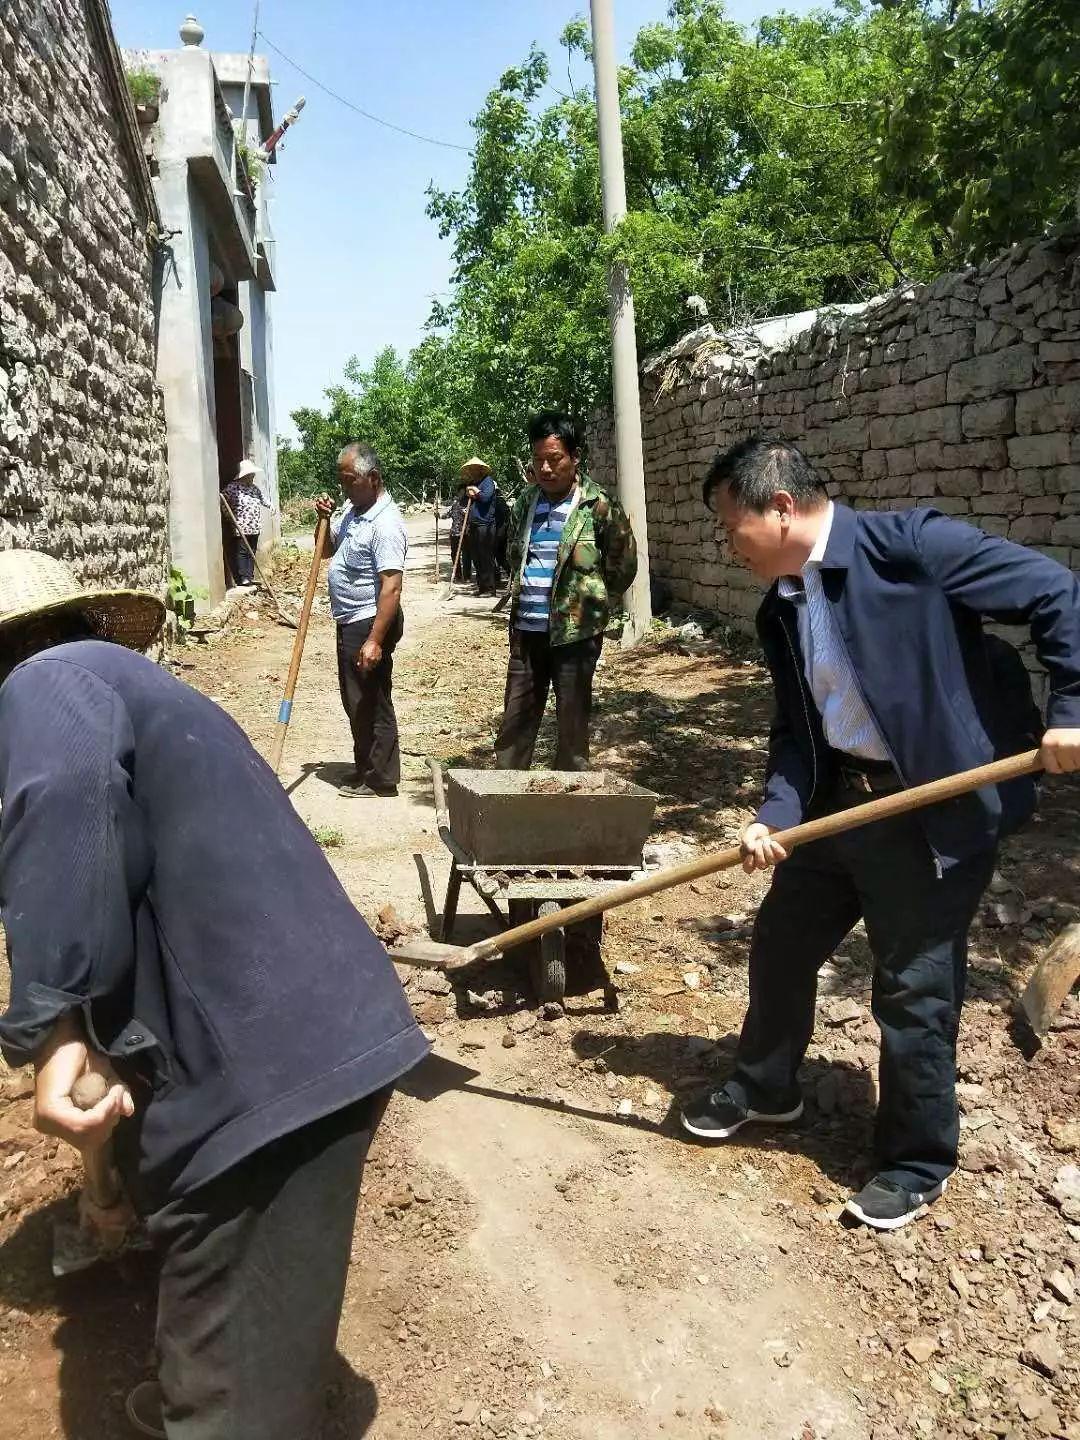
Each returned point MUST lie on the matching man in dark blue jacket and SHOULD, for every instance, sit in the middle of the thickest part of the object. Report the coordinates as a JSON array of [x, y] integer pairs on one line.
[[249, 1020], [481, 489], [872, 631]]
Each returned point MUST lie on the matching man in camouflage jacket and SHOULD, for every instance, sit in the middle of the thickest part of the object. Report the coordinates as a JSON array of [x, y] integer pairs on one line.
[[572, 555]]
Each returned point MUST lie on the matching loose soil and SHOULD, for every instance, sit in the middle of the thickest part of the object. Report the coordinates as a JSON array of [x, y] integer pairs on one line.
[[538, 1252]]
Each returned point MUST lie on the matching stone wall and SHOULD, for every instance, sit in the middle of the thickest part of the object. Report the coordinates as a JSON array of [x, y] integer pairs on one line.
[[964, 395], [82, 447]]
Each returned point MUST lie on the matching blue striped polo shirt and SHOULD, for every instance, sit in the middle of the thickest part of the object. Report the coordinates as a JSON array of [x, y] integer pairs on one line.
[[538, 577]]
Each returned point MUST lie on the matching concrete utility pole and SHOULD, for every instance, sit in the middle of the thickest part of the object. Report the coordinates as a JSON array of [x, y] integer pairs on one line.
[[629, 459]]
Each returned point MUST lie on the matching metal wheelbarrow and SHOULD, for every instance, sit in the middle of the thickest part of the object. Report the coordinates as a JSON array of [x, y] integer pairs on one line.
[[534, 841]]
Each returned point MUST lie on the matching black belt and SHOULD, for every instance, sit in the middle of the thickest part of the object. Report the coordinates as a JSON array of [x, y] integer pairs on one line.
[[866, 777]]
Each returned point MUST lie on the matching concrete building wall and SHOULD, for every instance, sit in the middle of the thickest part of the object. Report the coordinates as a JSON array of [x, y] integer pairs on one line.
[[185, 374], [257, 358], [82, 437], [963, 395], [215, 223], [257, 336]]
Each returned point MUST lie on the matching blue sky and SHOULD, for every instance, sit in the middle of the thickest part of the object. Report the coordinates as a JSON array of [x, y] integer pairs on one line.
[[358, 261]]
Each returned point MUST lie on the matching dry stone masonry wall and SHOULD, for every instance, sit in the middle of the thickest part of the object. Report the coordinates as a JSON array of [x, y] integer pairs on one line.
[[964, 395], [82, 447]]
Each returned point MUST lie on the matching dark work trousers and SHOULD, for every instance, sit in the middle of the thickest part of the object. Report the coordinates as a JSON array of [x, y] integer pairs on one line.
[[482, 543], [243, 564], [464, 570], [917, 926], [369, 703], [535, 667], [502, 548], [252, 1281]]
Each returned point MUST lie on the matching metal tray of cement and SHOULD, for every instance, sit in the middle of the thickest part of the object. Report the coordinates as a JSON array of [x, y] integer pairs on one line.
[[548, 817]]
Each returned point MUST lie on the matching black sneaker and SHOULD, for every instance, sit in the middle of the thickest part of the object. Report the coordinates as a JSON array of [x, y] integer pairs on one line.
[[365, 792], [887, 1206], [718, 1116]]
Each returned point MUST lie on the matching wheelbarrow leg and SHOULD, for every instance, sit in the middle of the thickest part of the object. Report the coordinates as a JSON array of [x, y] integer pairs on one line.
[[450, 904]]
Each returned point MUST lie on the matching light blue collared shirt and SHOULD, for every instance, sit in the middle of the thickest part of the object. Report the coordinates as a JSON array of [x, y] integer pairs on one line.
[[847, 722], [364, 545]]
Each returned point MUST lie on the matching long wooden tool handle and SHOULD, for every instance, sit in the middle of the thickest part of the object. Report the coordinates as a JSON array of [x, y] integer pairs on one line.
[[102, 1184], [285, 709], [442, 814], [901, 802], [460, 543], [101, 1180]]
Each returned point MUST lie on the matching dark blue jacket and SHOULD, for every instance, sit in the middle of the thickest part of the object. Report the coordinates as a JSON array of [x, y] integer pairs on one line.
[[483, 507], [154, 876], [909, 590]]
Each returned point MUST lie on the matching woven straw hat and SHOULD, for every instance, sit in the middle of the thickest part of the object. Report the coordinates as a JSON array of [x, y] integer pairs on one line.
[[245, 469], [475, 469], [34, 586]]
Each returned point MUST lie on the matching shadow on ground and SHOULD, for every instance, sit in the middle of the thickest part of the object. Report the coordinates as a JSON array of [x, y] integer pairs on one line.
[[102, 1326], [839, 1143], [701, 752]]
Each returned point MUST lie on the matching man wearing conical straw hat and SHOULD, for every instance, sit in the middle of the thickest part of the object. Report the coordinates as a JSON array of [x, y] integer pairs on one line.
[[173, 927], [481, 489]]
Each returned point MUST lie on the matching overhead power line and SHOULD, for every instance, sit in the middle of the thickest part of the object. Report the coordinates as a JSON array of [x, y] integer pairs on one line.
[[367, 115]]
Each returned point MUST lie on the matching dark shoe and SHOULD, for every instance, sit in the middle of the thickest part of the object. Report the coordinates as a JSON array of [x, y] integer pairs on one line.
[[887, 1206], [365, 792], [718, 1116], [143, 1409]]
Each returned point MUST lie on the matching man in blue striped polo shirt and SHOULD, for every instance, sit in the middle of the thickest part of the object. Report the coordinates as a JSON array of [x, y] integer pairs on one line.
[[538, 577], [572, 555]]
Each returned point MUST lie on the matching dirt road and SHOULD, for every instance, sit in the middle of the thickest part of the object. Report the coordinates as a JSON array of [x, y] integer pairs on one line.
[[538, 1252]]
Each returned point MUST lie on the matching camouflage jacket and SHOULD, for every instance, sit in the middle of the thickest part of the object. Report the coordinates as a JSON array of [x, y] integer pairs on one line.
[[596, 563]]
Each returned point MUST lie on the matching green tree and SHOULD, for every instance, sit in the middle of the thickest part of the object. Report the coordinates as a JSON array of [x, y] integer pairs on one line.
[[750, 183], [986, 139], [405, 409], [820, 160]]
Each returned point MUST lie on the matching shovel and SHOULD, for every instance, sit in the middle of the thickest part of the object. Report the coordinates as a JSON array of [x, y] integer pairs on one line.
[[432, 955], [285, 709]]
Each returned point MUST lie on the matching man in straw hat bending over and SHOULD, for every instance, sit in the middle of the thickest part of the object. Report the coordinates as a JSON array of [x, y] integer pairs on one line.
[[249, 1023]]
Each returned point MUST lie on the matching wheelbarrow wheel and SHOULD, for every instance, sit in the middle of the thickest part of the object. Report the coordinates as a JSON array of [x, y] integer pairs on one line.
[[549, 966]]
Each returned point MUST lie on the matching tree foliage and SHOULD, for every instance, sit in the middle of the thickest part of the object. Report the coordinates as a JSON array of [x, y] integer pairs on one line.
[[986, 138], [819, 160], [405, 409]]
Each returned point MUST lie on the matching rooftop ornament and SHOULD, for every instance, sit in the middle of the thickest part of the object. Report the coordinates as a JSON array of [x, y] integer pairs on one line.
[[191, 32]]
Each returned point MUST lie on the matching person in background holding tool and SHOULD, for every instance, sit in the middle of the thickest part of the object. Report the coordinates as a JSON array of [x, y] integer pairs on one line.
[[883, 678], [572, 554], [367, 545], [246, 501], [248, 1021], [480, 488], [456, 516]]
